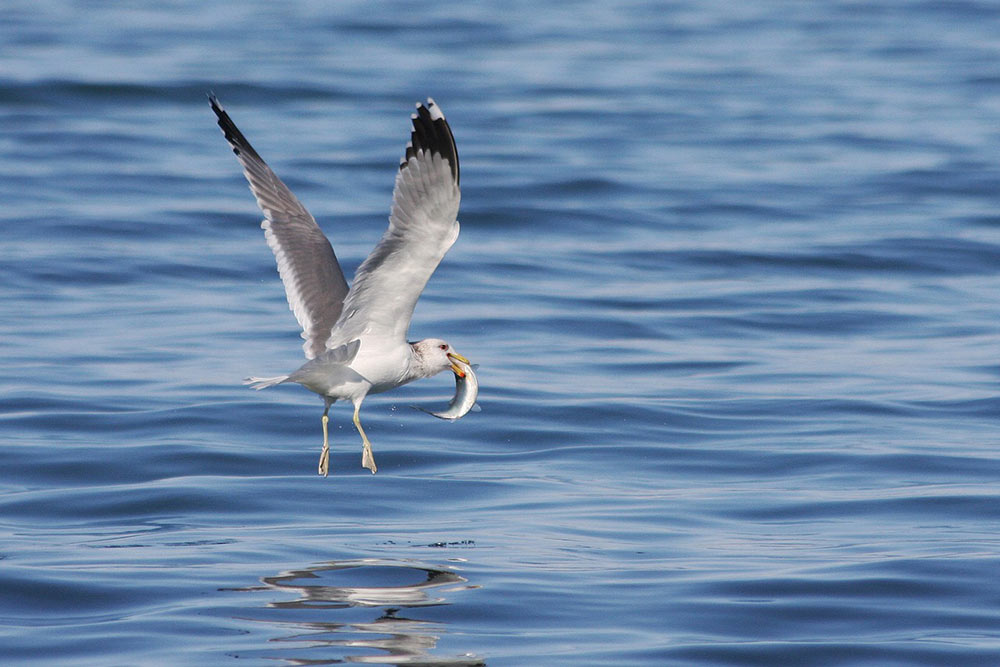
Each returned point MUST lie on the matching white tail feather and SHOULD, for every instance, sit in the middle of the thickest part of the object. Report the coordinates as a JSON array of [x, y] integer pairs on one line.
[[264, 383]]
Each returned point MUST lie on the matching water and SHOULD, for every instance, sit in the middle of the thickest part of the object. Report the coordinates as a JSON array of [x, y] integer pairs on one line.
[[730, 273]]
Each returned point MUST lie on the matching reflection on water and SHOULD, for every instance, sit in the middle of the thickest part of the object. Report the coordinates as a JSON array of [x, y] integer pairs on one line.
[[388, 585]]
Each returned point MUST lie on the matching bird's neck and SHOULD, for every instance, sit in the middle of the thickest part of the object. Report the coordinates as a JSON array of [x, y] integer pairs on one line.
[[418, 367]]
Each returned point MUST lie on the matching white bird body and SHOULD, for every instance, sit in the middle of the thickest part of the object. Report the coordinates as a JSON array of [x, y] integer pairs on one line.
[[355, 339]]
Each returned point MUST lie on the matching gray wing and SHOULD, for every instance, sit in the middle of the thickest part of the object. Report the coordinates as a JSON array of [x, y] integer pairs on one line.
[[314, 282], [422, 227]]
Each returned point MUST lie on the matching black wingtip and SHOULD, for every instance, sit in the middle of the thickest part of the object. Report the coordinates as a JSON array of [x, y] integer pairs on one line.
[[232, 133], [432, 133]]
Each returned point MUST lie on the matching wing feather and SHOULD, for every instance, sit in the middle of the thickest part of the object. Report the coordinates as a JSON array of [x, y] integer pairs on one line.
[[423, 225], [314, 282]]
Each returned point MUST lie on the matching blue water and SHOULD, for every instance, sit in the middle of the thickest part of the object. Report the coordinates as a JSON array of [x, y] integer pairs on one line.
[[730, 271]]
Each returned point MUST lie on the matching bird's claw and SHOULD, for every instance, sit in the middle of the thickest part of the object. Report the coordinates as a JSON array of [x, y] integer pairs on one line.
[[324, 461], [368, 461]]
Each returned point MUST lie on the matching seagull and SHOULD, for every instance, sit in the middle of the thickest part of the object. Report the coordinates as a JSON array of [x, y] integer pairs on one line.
[[355, 338]]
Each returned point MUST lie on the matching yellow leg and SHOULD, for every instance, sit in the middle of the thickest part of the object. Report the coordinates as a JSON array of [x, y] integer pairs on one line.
[[367, 460], [324, 456]]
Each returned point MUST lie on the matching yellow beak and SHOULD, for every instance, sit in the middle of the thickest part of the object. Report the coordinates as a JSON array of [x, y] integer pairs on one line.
[[454, 367]]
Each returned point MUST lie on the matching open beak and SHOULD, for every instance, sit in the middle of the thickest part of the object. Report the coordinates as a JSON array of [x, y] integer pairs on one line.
[[454, 367]]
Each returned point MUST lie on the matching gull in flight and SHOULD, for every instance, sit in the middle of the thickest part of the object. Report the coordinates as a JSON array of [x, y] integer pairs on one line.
[[355, 339]]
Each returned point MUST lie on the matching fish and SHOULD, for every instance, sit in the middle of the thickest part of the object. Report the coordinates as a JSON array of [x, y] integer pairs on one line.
[[466, 392]]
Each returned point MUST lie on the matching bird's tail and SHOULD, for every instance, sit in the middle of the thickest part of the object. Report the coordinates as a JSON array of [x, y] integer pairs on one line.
[[264, 383]]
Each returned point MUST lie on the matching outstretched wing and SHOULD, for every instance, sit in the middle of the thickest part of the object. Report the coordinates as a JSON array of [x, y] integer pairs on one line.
[[314, 282], [422, 226]]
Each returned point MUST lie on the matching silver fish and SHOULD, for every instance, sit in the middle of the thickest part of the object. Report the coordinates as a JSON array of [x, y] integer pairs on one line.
[[466, 392]]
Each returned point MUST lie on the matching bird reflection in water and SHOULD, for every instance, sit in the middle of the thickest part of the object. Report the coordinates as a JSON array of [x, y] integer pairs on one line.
[[389, 585]]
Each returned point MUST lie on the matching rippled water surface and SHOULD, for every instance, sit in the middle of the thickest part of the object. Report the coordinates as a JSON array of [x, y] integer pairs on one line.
[[730, 271]]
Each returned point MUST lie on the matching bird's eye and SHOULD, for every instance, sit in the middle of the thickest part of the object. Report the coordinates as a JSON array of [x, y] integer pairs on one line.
[[443, 347]]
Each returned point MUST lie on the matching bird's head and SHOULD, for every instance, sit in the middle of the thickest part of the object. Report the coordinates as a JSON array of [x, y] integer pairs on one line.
[[437, 355]]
